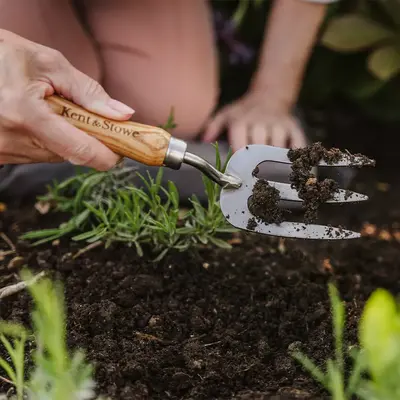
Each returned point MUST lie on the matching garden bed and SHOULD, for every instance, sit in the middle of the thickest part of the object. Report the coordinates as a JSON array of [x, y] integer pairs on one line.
[[215, 324]]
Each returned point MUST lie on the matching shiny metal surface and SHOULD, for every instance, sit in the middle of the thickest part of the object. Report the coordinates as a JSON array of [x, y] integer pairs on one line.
[[234, 202], [224, 180], [278, 154], [175, 153], [287, 193]]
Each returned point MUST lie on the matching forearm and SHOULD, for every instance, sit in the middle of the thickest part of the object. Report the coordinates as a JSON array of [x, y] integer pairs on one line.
[[291, 34]]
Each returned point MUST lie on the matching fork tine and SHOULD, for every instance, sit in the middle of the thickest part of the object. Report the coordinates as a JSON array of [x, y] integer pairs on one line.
[[346, 161], [280, 155], [304, 231], [287, 193]]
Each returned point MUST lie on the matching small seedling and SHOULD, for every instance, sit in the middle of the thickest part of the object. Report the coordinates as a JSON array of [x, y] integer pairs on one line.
[[333, 378], [57, 374], [375, 369]]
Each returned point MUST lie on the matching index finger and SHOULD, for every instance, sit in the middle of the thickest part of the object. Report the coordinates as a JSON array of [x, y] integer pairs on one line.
[[71, 143]]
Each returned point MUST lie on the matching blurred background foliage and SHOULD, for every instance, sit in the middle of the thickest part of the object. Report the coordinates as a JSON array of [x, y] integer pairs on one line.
[[356, 60]]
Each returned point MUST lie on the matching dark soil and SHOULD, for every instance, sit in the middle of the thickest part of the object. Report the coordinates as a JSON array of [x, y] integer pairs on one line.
[[218, 324]]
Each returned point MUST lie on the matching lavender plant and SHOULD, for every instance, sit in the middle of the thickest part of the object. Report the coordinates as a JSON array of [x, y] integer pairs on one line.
[[106, 207]]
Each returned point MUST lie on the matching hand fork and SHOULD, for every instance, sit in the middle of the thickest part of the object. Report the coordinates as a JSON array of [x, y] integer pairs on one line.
[[154, 146]]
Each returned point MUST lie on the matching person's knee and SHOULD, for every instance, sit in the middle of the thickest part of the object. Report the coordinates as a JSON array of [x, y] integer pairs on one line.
[[192, 112], [191, 106], [153, 91]]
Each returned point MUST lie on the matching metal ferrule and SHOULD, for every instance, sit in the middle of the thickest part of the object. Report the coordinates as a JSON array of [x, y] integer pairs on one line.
[[177, 154]]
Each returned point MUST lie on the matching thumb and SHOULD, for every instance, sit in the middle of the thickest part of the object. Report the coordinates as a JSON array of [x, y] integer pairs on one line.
[[86, 92]]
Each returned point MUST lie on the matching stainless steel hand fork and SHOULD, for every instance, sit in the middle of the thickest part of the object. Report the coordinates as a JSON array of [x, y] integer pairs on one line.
[[154, 146]]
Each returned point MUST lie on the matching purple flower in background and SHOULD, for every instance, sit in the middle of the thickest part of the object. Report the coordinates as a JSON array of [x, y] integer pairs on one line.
[[239, 52]]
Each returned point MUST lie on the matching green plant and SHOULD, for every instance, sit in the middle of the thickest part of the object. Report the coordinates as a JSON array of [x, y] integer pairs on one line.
[[365, 29], [380, 339], [56, 374], [355, 61], [358, 58], [16, 352], [106, 208], [375, 365], [333, 378]]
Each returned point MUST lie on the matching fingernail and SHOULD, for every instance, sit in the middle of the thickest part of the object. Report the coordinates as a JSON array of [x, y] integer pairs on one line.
[[74, 161], [120, 107]]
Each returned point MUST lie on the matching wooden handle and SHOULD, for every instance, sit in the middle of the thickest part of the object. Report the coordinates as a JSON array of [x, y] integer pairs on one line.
[[143, 143]]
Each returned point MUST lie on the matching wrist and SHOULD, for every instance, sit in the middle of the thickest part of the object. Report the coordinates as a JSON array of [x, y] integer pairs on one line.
[[277, 93]]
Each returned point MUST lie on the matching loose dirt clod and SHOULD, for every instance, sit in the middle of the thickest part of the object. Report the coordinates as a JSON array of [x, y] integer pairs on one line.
[[264, 203], [311, 191], [252, 224]]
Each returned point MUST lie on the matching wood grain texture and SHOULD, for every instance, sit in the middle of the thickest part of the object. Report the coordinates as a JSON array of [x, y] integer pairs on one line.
[[143, 143]]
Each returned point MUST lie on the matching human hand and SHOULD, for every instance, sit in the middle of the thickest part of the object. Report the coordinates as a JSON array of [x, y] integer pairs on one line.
[[29, 131], [256, 118]]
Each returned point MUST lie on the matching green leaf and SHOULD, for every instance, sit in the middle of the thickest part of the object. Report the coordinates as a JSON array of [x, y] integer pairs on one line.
[[199, 210], [311, 367], [384, 62], [217, 156], [90, 234], [8, 370], [335, 379], [354, 32], [240, 12], [227, 229], [80, 218], [98, 213], [354, 381], [88, 184], [174, 194], [338, 313], [363, 88], [219, 243], [170, 124], [12, 329], [44, 233], [161, 255], [228, 157], [379, 333]]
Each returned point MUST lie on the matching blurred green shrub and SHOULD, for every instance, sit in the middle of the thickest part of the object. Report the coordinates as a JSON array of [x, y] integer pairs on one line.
[[363, 29], [358, 58]]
